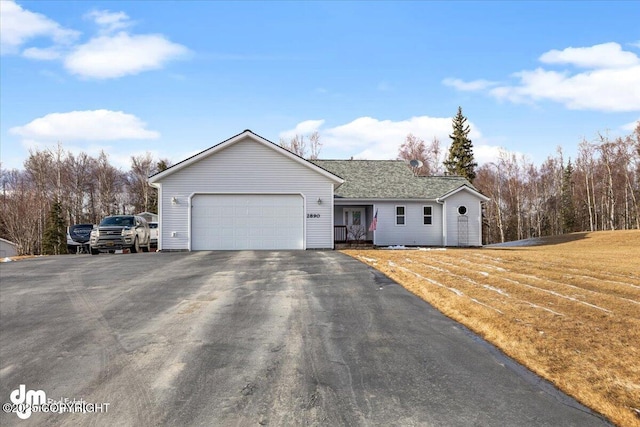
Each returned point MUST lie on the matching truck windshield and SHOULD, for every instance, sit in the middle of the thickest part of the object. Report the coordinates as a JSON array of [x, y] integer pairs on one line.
[[122, 221]]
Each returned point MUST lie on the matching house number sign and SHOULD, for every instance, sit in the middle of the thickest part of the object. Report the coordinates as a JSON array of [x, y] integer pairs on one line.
[[313, 215]]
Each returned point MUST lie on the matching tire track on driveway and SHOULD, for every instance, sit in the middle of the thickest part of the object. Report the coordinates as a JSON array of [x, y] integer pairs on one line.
[[114, 359], [255, 338]]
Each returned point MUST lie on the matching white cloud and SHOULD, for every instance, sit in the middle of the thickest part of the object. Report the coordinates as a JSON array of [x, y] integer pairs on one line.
[[631, 126], [122, 54], [303, 128], [468, 86], [606, 55], [610, 83], [112, 53], [109, 21], [94, 125], [616, 89], [373, 139], [484, 153], [42, 54], [17, 26]]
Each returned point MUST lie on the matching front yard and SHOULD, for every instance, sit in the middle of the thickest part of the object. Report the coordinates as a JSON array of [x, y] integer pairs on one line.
[[569, 310]]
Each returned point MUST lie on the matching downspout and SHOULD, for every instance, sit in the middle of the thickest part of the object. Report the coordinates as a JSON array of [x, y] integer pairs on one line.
[[333, 219], [159, 187], [444, 221]]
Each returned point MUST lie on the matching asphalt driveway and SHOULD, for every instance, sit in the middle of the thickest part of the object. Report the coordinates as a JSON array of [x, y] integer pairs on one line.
[[251, 338]]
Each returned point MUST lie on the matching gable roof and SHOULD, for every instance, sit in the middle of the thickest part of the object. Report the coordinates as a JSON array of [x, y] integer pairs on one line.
[[9, 242], [469, 189], [234, 139], [390, 179]]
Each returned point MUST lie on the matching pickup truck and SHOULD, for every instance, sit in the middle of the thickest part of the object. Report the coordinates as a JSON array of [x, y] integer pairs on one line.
[[120, 232]]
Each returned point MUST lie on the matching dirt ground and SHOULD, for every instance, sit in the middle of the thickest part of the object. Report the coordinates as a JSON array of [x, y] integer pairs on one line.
[[567, 308]]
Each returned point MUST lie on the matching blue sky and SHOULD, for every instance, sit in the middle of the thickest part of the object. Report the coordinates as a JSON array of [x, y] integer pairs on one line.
[[174, 78]]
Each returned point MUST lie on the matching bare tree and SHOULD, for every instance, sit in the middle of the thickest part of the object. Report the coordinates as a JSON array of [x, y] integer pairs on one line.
[[109, 182], [435, 157], [489, 182], [140, 192], [308, 148], [314, 145], [78, 171], [584, 170], [19, 214]]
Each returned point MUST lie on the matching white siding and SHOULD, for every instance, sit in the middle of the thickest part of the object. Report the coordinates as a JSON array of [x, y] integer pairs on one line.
[[246, 167], [7, 249], [474, 214], [414, 232]]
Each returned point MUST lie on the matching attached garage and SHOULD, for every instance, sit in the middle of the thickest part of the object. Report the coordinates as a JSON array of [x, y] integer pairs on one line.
[[245, 193], [247, 221]]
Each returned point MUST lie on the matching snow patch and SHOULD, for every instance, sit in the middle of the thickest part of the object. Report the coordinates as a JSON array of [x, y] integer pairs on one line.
[[433, 282], [548, 291], [7, 259], [486, 305], [500, 291]]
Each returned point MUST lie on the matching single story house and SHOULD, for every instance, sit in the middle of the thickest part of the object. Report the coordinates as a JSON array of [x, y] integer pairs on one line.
[[7, 248], [249, 193]]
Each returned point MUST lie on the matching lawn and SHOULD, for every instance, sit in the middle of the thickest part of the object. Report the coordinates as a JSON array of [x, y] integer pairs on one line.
[[568, 308]]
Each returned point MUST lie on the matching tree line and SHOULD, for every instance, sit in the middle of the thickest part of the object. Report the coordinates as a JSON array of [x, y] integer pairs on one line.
[[57, 188], [599, 190]]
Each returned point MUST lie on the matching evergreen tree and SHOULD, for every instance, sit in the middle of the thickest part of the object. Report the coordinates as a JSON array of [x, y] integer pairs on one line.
[[460, 160], [567, 209], [55, 234]]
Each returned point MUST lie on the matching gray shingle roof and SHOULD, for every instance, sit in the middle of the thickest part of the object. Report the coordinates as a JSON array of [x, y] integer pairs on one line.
[[387, 179]]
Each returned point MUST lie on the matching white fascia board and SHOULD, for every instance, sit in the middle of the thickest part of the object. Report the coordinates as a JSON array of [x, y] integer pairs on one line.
[[246, 134], [465, 188]]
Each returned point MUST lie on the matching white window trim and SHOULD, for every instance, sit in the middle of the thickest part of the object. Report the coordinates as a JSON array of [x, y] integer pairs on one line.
[[466, 209], [430, 216], [404, 216]]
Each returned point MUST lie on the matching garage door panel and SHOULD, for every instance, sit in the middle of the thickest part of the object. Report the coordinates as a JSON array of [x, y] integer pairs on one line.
[[224, 221]]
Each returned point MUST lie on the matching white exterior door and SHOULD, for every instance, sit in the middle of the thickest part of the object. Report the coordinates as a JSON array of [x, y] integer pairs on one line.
[[355, 221], [247, 221]]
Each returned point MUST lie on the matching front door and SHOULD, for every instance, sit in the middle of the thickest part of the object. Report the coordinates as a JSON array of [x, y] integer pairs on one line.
[[355, 222]]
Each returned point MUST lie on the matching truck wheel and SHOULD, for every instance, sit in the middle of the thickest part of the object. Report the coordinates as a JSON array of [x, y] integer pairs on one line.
[[136, 246], [94, 251]]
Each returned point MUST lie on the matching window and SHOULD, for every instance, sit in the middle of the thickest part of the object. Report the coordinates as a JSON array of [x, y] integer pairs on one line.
[[427, 215], [400, 215], [462, 210], [357, 217]]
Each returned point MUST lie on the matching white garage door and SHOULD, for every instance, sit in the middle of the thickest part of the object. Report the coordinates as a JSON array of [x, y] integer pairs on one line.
[[242, 221]]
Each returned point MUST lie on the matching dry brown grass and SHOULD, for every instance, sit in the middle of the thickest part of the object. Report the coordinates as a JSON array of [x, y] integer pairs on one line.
[[569, 310]]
